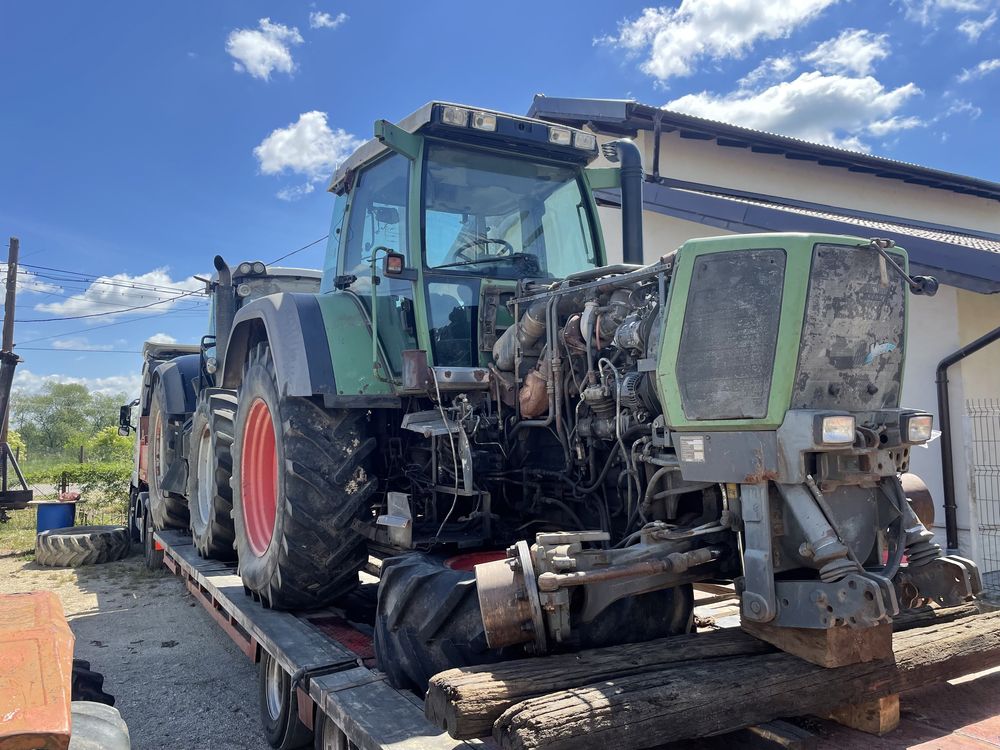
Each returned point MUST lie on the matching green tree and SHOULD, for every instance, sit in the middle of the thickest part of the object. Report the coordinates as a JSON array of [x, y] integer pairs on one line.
[[16, 443], [61, 417], [108, 446]]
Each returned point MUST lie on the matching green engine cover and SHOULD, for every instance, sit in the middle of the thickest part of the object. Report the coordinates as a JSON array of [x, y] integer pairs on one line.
[[757, 324]]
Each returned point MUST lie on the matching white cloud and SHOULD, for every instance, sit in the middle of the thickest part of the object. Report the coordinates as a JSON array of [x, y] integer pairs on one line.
[[110, 294], [25, 381], [675, 39], [161, 338], [830, 109], [963, 107], [294, 192], [307, 147], [985, 67], [770, 70], [80, 342], [264, 49], [852, 51], [974, 29], [926, 12], [320, 20]]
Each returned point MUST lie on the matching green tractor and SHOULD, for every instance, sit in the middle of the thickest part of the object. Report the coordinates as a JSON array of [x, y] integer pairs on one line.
[[474, 388]]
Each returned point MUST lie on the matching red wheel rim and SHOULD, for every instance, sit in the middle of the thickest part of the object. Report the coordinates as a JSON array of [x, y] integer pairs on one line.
[[469, 560], [259, 474]]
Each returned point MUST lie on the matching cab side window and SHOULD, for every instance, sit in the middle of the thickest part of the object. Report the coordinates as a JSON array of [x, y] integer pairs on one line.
[[333, 244], [377, 216]]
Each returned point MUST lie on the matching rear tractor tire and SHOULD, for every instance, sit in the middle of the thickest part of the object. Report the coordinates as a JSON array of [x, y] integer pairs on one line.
[[301, 479], [210, 469], [167, 510], [428, 620]]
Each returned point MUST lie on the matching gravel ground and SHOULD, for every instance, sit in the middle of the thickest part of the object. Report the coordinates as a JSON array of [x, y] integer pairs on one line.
[[180, 683]]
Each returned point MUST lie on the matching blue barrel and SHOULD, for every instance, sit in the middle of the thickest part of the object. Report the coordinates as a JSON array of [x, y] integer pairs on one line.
[[55, 516]]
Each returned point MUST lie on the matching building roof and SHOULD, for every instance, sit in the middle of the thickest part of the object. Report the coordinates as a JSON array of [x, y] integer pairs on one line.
[[626, 116], [967, 261]]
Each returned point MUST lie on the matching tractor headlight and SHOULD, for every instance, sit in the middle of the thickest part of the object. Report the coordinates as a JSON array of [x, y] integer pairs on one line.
[[484, 121], [560, 136], [244, 268], [259, 267], [835, 429], [455, 116], [918, 428], [243, 290], [211, 365], [586, 141]]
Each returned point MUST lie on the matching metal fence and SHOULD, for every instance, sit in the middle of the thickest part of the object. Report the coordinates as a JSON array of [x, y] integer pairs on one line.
[[984, 416]]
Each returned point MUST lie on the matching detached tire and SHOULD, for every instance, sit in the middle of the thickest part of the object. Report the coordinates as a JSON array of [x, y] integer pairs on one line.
[[167, 510], [301, 479], [96, 726], [82, 545], [210, 469], [428, 620], [88, 685]]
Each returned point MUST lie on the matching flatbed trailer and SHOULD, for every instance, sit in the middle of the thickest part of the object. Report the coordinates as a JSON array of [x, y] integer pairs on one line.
[[331, 659]]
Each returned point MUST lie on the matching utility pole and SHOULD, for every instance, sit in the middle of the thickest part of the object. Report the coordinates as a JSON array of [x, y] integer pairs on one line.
[[9, 499]]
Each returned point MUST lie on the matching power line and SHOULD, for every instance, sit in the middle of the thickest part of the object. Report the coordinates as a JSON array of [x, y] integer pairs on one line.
[[67, 349], [182, 310], [108, 312], [304, 247]]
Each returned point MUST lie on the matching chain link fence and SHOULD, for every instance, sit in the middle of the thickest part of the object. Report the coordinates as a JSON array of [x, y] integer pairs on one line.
[[984, 417]]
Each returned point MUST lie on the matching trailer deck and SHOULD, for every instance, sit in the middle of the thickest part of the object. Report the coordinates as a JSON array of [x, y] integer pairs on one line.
[[330, 657], [331, 678]]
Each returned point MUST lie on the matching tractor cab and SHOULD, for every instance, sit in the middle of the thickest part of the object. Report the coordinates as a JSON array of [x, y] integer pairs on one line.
[[439, 217]]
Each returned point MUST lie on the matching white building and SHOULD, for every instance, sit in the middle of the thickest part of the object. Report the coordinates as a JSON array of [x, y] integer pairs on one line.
[[707, 178]]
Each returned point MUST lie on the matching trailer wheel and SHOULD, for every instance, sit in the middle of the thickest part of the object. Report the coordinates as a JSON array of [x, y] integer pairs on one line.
[[96, 726], [210, 467], [300, 482], [328, 736], [82, 545], [168, 510], [279, 707], [428, 620], [153, 557]]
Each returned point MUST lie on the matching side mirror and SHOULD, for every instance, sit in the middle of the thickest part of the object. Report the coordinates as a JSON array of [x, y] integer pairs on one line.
[[125, 420]]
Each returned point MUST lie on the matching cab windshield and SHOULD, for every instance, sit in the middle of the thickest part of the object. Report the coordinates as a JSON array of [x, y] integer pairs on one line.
[[492, 215]]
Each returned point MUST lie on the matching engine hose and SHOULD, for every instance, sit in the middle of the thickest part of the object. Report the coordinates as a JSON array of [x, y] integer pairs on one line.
[[895, 496], [648, 495]]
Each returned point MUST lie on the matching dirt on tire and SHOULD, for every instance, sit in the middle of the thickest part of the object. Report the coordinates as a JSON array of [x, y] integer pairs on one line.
[[82, 545]]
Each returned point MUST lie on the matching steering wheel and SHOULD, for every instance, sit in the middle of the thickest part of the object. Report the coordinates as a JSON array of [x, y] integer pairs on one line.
[[507, 249]]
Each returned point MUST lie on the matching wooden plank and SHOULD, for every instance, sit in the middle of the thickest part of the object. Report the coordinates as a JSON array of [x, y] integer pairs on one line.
[[295, 643], [879, 716], [467, 701], [828, 647], [374, 715], [682, 701]]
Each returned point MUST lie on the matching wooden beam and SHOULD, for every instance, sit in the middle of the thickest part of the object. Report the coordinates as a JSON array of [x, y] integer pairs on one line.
[[682, 701], [879, 716], [468, 700], [829, 647]]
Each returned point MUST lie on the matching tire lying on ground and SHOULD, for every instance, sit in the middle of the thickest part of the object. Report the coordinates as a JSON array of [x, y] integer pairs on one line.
[[167, 510], [97, 726], [428, 620], [301, 477], [82, 545], [88, 685], [210, 468]]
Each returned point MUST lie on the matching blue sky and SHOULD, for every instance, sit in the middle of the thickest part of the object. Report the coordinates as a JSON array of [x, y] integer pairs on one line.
[[139, 139]]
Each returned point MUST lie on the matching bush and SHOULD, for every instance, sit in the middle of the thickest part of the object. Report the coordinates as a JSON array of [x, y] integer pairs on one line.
[[108, 480], [108, 446]]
